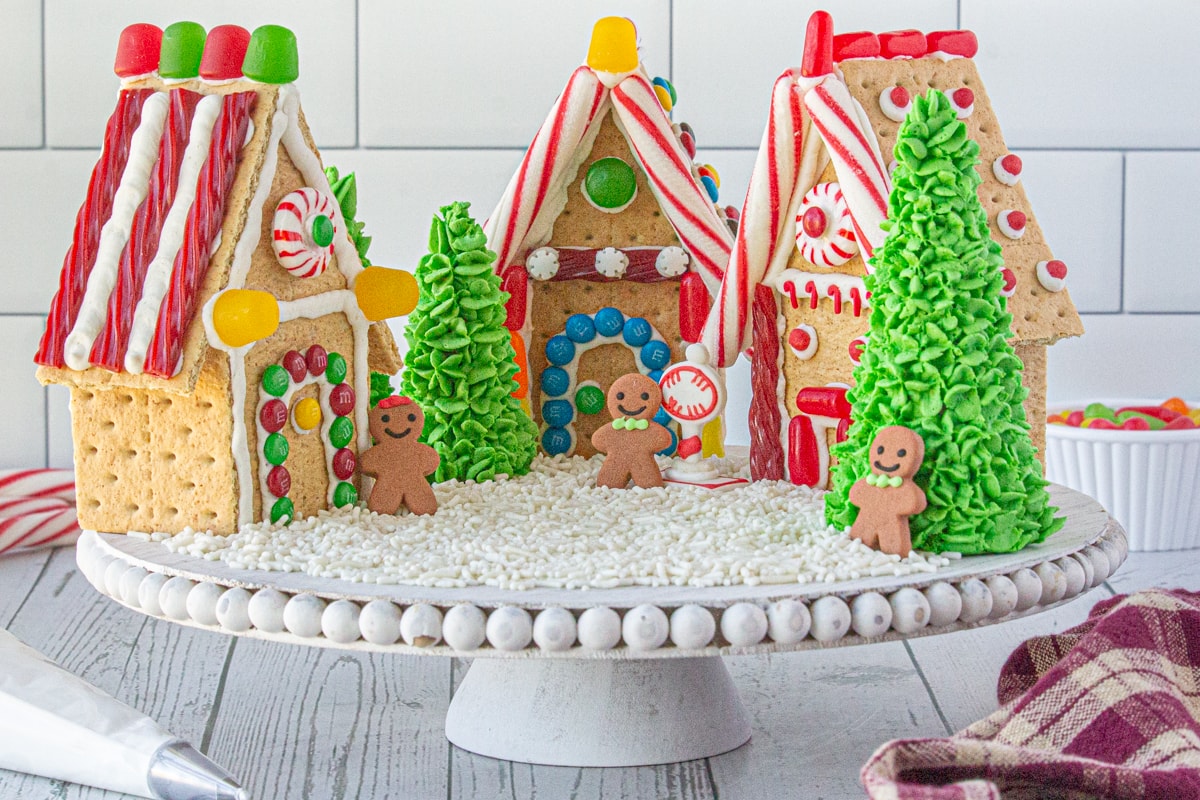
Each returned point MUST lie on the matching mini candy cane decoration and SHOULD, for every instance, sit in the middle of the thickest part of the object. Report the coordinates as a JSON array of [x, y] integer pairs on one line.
[[37, 509], [303, 232], [824, 229]]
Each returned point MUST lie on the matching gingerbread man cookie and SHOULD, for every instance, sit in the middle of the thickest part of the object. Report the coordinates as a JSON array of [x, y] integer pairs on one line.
[[633, 437], [887, 497], [397, 461]]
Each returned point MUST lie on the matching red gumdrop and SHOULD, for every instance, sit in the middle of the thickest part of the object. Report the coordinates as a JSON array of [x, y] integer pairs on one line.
[[910, 43], [279, 481], [1135, 424], [293, 362], [1016, 220], [1010, 281], [900, 96], [341, 399], [1011, 164], [316, 359], [963, 97], [818, 46], [344, 463], [1056, 269], [860, 44], [694, 302], [516, 283], [856, 350], [1100, 423], [138, 50], [1181, 423], [273, 415], [224, 52], [1075, 419], [799, 339], [956, 43], [732, 212], [814, 222]]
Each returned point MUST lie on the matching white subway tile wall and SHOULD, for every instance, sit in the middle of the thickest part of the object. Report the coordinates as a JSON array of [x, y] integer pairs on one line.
[[435, 102]]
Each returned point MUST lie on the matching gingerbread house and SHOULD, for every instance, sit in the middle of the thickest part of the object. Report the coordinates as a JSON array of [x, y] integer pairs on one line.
[[210, 320], [794, 293], [609, 241]]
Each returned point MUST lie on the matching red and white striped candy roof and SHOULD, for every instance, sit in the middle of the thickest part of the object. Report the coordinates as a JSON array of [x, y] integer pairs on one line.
[[524, 218]]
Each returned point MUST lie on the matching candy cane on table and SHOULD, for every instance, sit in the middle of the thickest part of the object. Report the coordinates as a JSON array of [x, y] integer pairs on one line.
[[37, 509]]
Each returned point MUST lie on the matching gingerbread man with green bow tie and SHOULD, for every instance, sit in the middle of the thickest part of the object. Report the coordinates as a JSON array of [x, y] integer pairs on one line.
[[633, 437], [887, 496]]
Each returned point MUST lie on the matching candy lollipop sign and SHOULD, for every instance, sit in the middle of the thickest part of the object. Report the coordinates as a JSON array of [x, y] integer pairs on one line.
[[693, 394]]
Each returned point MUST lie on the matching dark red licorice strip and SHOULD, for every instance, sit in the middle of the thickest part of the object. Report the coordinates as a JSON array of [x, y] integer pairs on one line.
[[766, 450], [95, 211], [203, 222], [580, 264], [109, 350]]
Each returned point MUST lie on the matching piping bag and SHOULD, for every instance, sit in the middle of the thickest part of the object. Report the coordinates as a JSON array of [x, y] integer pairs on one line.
[[55, 725]]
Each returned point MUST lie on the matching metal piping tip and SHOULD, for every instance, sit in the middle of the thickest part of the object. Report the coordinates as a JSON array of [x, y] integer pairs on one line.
[[179, 771]]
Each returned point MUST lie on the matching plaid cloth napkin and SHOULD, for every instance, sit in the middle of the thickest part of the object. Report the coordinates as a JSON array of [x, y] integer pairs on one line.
[[1108, 709]]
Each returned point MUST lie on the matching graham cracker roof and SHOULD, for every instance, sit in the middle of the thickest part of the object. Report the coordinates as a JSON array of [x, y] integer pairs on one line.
[[837, 108]]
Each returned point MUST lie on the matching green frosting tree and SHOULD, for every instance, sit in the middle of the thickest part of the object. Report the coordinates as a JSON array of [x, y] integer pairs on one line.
[[937, 358], [460, 362]]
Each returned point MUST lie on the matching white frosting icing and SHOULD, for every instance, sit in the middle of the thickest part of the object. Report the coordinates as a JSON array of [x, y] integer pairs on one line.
[[811, 350], [158, 274], [941, 55], [135, 183]]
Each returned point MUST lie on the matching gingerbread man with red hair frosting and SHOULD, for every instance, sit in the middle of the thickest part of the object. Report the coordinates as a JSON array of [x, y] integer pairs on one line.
[[398, 462]]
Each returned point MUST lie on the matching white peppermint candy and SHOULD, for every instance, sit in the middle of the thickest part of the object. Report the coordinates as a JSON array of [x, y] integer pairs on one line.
[[542, 264], [671, 262], [611, 262]]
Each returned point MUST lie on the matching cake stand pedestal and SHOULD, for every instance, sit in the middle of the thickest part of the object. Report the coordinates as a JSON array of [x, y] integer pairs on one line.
[[656, 691]]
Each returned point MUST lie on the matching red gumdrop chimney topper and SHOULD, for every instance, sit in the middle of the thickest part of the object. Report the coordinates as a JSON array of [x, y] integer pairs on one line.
[[224, 51], [138, 50], [818, 46]]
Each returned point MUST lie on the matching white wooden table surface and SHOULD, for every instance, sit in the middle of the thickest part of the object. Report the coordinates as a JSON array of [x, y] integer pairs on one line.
[[295, 722]]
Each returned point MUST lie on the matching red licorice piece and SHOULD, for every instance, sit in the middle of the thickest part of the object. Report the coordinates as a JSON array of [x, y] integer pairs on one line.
[[138, 50], [95, 211], [766, 450], [279, 481], [818, 45], [203, 221], [694, 301], [956, 43], [804, 464], [273, 415], [293, 362], [516, 283], [823, 401], [108, 351], [341, 399], [224, 52], [344, 463], [860, 44], [316, 359], [910, 43]]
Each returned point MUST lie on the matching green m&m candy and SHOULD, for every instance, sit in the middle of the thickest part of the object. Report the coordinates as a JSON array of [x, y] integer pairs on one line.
[[610, 184], [335, 368], [341, 432], [322, 231], [271, 56], [283, 510], [275, 449], [589, 400], [275, 380], [344, 494], [182, 49]]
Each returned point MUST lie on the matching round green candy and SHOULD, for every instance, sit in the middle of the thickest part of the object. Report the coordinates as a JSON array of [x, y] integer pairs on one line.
[[271, 56], [275, 380], [182, 49], [284, 509], [335, 369], [610, 183], [344, 494], [322, 231], [589, 400], [276, 449], [341, 432]]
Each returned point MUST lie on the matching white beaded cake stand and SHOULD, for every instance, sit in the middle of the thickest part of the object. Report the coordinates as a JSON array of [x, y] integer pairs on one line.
[[605, 677]]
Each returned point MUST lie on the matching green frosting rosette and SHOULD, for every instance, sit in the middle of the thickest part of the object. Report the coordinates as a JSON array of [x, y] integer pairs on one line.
[[460, 364], [937, 358]]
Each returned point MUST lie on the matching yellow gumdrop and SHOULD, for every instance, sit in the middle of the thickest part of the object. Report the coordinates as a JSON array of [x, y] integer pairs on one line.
[[242, 316], [664, 97], [525, 407], [716, 176], [384, 293], [307, 414], [712, 438], [614, 46]]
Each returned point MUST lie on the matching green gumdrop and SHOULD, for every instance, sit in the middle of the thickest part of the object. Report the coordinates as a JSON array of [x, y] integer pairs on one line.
[[335, 368], [610, 183], [182, 49], [276, 449], [344, 494], [283, 509], [322, 231], [589, 400], [275, 380], [341, 432], [1154, 422], [1100, 410], [271, 56]]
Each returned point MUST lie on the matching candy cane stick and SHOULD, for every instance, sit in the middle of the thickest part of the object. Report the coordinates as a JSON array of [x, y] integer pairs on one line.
[[37, 509]]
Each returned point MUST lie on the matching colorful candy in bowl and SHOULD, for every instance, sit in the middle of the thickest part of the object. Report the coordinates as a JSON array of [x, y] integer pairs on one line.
[[1139, 458]]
